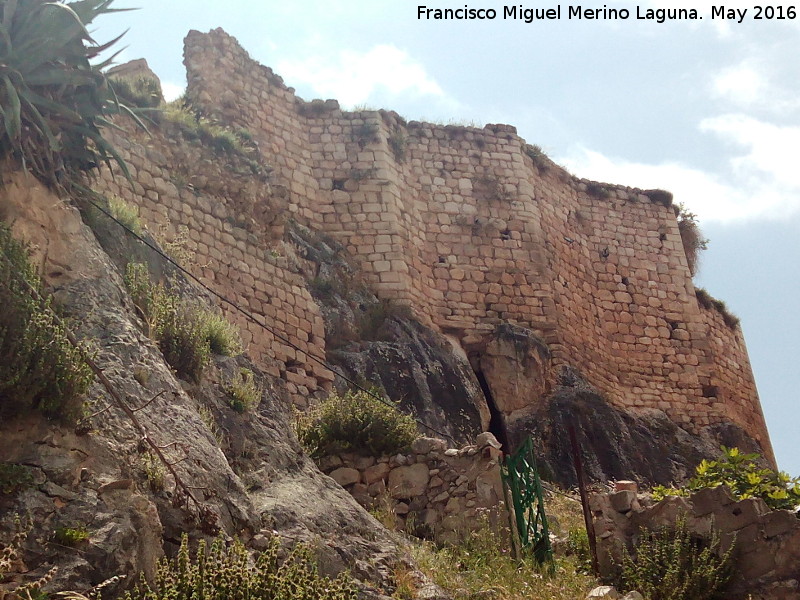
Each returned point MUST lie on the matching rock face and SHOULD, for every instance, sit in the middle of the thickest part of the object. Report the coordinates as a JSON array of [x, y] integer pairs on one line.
[[246, 469], [647, 446], [517, 368]]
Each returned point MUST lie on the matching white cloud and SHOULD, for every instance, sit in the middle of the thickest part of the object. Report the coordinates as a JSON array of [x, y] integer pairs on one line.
[[751, 84], [172, 90], [741, 84], [354, 77], [760, 182], [771, 149]]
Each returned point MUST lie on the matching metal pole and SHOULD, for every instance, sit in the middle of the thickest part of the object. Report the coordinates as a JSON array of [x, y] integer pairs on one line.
[[587, 517], [510, 510]]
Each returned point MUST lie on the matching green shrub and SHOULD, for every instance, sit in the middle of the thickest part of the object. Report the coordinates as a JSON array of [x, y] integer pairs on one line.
[[125, 213], [71, 536], [154, 472], [355, 421], [39, 368], [14, 478], [671, 564], [744, 477], [243, 391], [217, 572], [691, 237], [187, 333], [53, 94], [222, 336], [578, 546]]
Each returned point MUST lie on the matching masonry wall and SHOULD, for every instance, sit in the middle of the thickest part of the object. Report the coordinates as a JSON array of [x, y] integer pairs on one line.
[[228, 220], [433, 490], [470, 231]]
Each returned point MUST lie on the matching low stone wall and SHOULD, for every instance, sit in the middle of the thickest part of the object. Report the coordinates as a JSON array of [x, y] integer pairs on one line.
[[433, 490], [767, 542]]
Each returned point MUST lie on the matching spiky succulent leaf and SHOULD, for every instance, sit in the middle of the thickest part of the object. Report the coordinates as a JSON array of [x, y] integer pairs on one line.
[[52, 99]]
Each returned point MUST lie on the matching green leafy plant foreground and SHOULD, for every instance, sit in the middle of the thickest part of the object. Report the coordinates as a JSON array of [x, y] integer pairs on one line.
[[219, 573], [39, 368], [744, 477], [53, 101], [670, 564], [355, 421]]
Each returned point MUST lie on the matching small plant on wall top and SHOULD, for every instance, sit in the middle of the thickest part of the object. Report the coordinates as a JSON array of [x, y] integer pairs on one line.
[[692, 237], [744, 477]]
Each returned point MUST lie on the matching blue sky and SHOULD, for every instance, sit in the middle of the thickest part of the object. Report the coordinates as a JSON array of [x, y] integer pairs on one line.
[[708, 109]]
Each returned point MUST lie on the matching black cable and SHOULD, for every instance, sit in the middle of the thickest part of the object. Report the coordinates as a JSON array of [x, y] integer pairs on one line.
[[250, 316]]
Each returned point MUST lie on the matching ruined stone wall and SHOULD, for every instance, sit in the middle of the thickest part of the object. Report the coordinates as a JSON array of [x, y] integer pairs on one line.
[[432, 490], [471, 231], [766, 542]]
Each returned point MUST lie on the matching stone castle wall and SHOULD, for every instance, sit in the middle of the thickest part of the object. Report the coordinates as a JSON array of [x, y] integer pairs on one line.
[[229, 220], [464, 226], [459, 223]]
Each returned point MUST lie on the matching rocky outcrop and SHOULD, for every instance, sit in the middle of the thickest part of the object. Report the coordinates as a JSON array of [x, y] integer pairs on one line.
[[247, 469], [385, 345], [646, 446]]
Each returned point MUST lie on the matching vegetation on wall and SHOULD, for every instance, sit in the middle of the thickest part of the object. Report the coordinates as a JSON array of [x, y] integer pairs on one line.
[[53, 100], [222, 572], [706, 300], [691, 236], [223, 140], [670, 564], [14, 478], [744, 477], [39, 368], [187, 333], [358, 422], [140, 91]]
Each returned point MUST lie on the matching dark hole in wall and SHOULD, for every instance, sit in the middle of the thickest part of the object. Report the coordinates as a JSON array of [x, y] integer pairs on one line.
[[497, 424]]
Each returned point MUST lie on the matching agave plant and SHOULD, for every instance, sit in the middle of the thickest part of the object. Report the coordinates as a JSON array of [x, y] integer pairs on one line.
[[53, 100]]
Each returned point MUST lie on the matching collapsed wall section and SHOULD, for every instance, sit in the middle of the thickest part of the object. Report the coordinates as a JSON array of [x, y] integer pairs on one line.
[[472, 229]]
